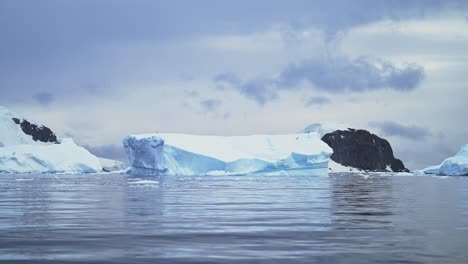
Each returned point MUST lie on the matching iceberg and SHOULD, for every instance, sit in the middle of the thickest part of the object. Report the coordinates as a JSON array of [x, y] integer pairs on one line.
[[66, 157], [453, 166], [183, 154]]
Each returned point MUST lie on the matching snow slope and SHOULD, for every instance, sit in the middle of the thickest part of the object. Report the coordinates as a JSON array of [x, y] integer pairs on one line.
[[10, 133], [324, 128], [453, 166], [20, 153], [66, 157], [183, 154]]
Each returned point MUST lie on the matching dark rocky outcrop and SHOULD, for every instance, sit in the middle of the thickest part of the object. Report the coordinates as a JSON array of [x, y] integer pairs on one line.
[[38, 133], [362, 150]]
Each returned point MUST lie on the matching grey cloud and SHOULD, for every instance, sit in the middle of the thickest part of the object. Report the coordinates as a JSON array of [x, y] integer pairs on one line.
[[226, 115], [317, 101], [59, 43], [389, 128], [341, 75], [335, 75], [191, 93], [258, 90], [229, 78], [44, 98], [210, 105]]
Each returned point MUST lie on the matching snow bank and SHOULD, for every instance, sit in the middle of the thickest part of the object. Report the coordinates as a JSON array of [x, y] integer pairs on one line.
[[182, 154], [66, 157], [453, 166]]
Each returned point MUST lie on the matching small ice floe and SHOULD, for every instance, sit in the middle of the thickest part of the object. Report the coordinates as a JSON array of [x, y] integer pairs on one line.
[[25, 179], [143, 183]]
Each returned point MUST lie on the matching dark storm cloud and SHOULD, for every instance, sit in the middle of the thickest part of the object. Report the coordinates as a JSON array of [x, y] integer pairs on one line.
[[333, 75], [210, 105], [317, 101], [389, 128], [44, 98]]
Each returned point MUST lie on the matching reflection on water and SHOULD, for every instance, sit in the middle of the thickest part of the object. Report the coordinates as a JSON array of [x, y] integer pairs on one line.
[[341, 218]]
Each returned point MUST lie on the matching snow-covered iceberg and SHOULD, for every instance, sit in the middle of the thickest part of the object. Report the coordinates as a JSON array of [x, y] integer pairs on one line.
[[182, 154], [66, 157], [453, 166]]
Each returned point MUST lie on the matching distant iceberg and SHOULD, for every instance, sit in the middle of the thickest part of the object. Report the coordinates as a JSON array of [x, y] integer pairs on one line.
[[183, 154], [453, 166]]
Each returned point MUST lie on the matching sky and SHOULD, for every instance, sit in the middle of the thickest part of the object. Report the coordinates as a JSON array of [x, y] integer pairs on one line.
[[99, 70]]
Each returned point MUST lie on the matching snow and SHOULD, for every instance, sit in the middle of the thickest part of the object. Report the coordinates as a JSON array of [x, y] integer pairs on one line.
[[66, 157], [453, 166], [335, 167], [324, 128], [11, 133], [19, 153], [184, 154], [112, 165]]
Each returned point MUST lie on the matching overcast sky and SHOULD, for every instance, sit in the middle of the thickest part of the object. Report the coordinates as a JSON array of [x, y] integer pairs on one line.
[[99, 70]]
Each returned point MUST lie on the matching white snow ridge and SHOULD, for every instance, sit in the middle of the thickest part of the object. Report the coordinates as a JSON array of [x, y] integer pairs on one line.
[[183, 154]]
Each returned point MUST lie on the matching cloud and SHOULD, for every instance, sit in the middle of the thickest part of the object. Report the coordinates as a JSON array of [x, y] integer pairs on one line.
[[333, 75], [389, 128], [44, 98], [317, 101], [342, 75], [191, 93], [258, 90], [210, 105]]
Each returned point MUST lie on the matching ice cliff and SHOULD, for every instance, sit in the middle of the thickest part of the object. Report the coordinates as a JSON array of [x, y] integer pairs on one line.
[[182, 154]]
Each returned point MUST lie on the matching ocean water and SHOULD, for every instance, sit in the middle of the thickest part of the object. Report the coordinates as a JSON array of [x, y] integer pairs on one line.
[[342, 218]]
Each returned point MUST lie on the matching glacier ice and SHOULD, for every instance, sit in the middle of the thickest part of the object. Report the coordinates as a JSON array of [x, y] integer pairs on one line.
[[453, 166], [183, 154], [66, 157]]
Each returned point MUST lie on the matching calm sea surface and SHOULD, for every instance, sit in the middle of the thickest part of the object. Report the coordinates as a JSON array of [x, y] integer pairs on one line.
[[340, 218]]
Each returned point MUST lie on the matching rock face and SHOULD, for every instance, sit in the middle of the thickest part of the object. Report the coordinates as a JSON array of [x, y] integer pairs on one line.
[[362, 150], [38, 133]]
